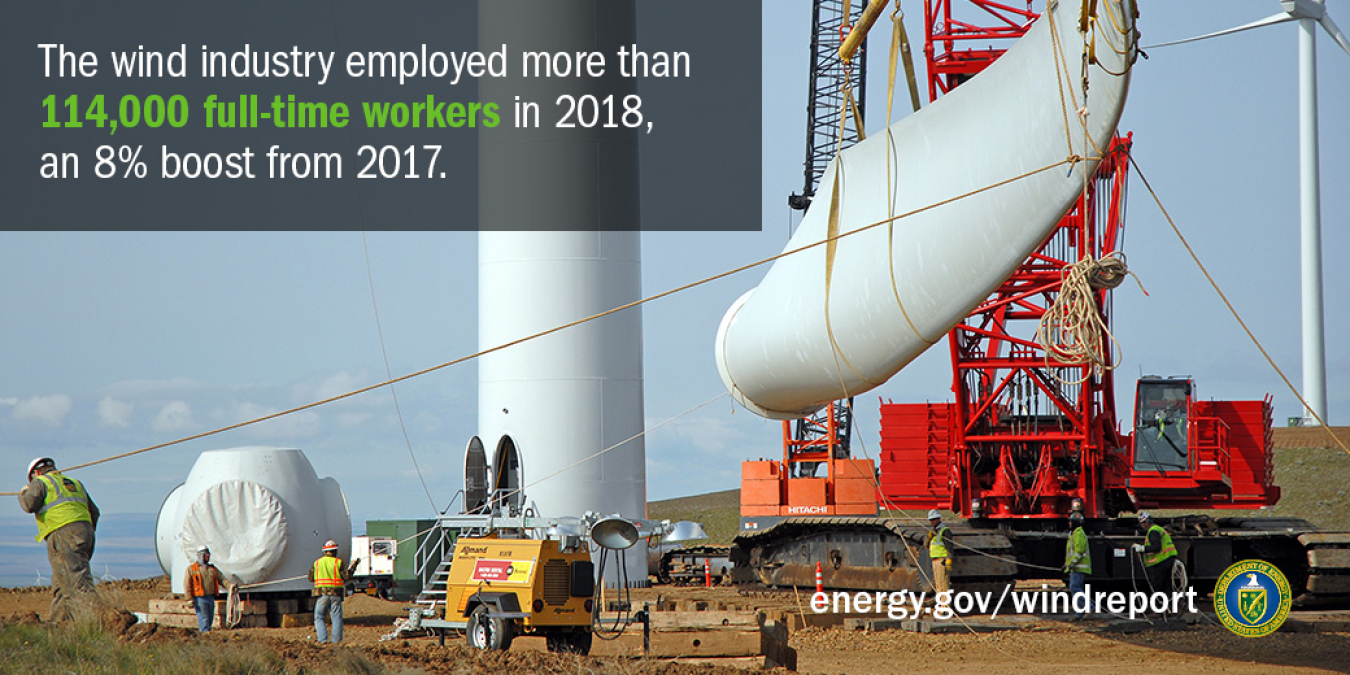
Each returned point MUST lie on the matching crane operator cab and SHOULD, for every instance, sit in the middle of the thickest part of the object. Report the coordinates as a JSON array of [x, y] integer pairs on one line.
[[1162, 407]]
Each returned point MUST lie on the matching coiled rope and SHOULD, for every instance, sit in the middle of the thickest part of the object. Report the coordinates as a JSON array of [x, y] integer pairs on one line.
[[1072, 329]]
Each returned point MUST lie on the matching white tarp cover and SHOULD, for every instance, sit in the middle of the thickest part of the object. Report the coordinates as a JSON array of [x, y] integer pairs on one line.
[[244, 525]]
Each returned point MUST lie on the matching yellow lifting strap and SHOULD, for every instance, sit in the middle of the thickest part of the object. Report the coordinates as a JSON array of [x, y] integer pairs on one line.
[[1086, 15], [900, 43], [857, 117], [1087, 20]]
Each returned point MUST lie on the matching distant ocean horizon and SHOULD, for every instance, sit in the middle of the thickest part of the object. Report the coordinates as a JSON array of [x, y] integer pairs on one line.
[[124, 549]]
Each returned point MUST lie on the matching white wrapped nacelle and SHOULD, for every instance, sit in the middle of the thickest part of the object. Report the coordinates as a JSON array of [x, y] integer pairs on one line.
[[262, 512]]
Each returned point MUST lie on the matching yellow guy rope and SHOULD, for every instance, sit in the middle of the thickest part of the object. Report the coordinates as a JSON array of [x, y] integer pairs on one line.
[[1234, 311], [550, 331]]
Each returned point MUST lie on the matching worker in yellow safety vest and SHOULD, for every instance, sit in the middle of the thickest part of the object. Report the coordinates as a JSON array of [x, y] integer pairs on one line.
[[1077, 563], [330, 587], [939, 550], [66, 519], [1157, 551]]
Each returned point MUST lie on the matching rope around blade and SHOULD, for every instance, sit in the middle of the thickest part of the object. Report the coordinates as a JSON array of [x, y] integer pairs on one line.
[[1071, 331]]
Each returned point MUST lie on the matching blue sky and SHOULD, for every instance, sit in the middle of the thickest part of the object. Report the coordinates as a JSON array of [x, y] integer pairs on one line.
[[117, 341]]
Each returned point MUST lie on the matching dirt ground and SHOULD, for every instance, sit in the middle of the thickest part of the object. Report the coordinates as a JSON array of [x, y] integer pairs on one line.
[[1040, 646]]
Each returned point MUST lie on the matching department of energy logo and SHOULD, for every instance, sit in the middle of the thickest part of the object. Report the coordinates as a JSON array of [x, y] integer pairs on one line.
[[1252, 598]]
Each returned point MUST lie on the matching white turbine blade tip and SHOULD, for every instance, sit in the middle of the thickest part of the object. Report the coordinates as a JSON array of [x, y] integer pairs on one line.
[[1335, 32], [1268, 21]]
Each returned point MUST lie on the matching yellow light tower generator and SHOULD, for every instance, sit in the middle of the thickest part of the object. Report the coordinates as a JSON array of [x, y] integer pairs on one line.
[[504, 587], [521, 575]]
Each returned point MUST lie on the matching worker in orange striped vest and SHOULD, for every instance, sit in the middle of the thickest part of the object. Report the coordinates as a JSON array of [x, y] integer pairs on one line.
[[330, 587], [66, 519], [202, 585]]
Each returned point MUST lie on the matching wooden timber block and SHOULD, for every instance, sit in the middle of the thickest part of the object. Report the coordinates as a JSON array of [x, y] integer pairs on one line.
[[686, 621], [796, 621], [742, 662], [709, 643], [297, 620], [184, 606], [955, 627], [773, 644], [713, 643], [175, 620], [248, 607], [171, 606], [1329, 584], [1328, 558], [286, 606], [190, 621]]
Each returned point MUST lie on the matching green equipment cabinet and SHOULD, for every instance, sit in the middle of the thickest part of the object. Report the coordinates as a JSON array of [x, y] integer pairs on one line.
[[411, 534]]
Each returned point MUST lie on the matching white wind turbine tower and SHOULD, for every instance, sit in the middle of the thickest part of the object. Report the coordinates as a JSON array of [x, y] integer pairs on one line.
[[1307, 13]]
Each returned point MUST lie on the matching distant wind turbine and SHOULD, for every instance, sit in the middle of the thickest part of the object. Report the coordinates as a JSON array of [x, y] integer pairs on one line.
[[41, 580], [1307, 13], [107, 574]]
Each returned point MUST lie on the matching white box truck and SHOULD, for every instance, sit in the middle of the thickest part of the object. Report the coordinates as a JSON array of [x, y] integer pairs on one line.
[[374, 572]]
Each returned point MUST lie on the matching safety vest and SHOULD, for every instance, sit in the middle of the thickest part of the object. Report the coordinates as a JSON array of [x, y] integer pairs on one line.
[[328, 572], [66, 503], [1168, 550], [203, 580], [1076, 555], [937, 549]]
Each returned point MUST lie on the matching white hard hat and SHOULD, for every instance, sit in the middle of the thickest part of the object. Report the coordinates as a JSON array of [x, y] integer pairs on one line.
[[934, 514], [33, 465], [1143, 516], [203, 549], [330, 545]]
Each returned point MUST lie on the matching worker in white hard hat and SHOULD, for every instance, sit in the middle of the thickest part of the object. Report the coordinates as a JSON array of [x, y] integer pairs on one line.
[[1077, 563], [202, 585], [939, 549], [330, 587], [1156, 551], [66, 519]]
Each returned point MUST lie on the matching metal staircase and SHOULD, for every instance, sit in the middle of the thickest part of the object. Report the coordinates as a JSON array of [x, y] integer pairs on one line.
[[432, 563]]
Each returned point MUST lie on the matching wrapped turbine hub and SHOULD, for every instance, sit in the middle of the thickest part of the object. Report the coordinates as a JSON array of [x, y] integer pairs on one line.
[[262, 512], [244, 525]]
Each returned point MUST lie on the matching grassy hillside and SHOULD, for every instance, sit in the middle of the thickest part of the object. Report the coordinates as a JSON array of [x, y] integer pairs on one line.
[[1314, 484], [719, 512], [1314, 477]]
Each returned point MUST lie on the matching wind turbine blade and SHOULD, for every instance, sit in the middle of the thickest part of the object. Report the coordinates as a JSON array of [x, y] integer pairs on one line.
[[1268, 21], [1335, 32]]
